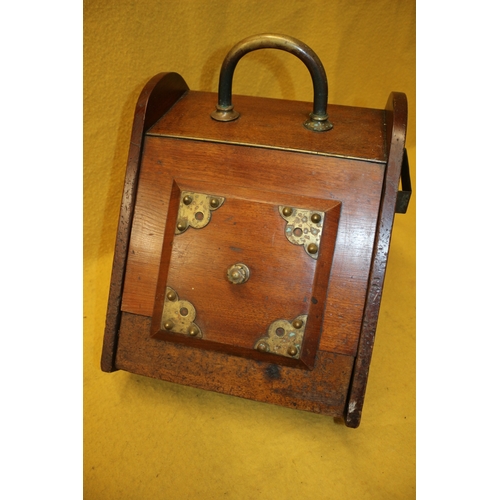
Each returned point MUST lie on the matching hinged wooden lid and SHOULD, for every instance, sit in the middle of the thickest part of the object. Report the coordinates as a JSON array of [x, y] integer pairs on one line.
[[358, 133]]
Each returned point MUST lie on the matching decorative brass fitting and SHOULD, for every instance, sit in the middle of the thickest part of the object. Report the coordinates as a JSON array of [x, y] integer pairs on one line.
[[238, 274], [179, 315], [195, 210], [303, 227], [284, 337]]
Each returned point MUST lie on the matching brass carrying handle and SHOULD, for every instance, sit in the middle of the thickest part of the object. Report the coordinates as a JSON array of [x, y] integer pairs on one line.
[[318, 119]]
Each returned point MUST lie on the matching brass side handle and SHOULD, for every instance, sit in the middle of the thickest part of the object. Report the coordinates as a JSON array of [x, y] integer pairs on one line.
[[318, 119], [403, 197]]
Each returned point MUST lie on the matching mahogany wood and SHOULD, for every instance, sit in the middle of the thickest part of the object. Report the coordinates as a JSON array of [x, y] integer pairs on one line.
[[158, 95], [322, 390], [263, 159], [357, 132], [285, 281], [356, 184], [396, 119]]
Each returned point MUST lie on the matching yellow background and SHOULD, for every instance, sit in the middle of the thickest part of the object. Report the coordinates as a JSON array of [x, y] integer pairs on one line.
[[148, 439]]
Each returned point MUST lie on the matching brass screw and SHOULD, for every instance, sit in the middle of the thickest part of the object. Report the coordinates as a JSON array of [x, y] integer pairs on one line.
[[312, 248], [214, 202], [316, 218], [262, 347], [287, 211], [297, 324], [187, 199], [171, 296], [169, 325], [181, 226], [292, 350], [192, 331]]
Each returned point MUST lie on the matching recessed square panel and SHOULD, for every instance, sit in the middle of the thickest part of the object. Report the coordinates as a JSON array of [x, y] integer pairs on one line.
[[245, 271]]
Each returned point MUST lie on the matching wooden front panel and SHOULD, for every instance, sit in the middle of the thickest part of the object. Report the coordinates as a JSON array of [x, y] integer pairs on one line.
[[322, 390], [285, 281], [356, 184]]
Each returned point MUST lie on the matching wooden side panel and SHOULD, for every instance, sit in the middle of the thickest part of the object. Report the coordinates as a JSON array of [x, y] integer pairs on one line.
[[322, 390], [159, 94], [357, 185], [396, 118]]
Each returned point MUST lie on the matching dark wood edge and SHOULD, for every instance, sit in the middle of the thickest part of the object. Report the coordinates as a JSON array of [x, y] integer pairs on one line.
[[396, 112], [159, 95]]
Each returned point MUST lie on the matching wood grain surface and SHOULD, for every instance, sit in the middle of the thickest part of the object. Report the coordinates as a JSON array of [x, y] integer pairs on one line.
[[396, 118], [322, 390], [356, 184], [158, 95], [285, 281], [274, 123]]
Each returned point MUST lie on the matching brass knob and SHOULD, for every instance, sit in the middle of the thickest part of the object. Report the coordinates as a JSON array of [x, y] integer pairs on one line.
[[237, 274], [312, 248], [193, 331], [316, 218], [263, 347]]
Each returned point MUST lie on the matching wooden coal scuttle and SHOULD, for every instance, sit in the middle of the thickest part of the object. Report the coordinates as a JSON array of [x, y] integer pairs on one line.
[[253, 240]]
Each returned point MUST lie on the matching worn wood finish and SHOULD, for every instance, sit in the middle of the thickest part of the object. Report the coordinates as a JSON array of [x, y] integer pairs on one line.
[[396, 118], [356, 184], [159, 94], [322, 390]]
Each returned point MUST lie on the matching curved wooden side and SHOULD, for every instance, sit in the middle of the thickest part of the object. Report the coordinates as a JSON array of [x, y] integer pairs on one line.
[[396, 112], [157, 97]]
